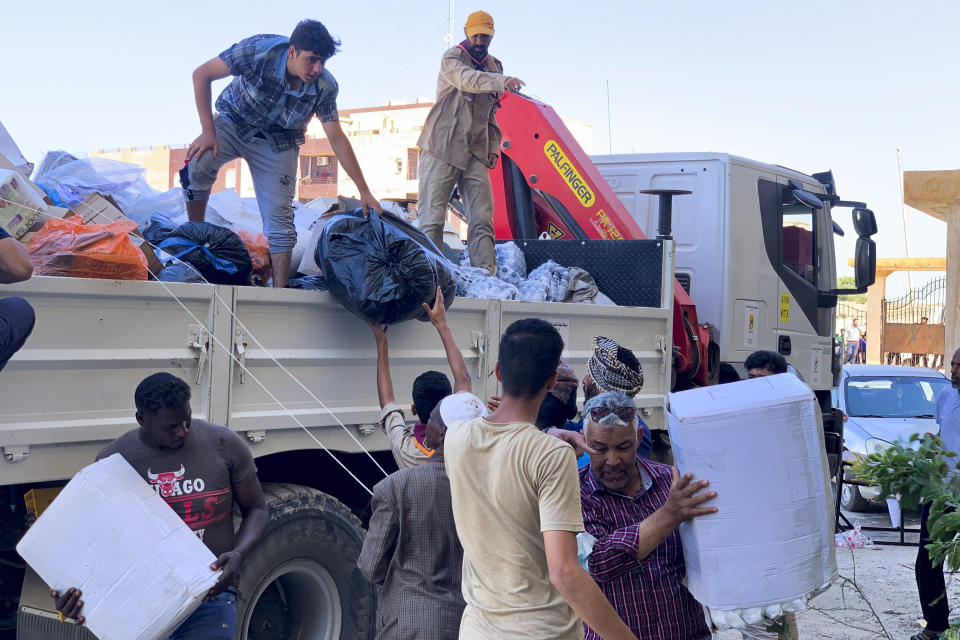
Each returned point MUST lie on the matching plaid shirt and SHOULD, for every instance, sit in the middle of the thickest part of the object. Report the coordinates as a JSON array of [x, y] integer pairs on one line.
[[648, 594], [258, 99]]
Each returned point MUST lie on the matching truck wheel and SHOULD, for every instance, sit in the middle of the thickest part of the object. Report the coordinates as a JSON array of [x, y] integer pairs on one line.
[[302, 581], [851, 500]]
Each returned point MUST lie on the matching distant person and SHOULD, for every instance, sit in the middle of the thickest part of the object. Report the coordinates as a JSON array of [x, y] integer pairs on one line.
[[516, 502], [169, 445], [279, 84], [852, 335], [931, 584], [429, 388], [765, 363], [632, 507], [460, 141], [411, 548], [922, 359], [862, 354], [16, 315]]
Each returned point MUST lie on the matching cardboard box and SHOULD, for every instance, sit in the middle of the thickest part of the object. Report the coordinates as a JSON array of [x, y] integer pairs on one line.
[[20, 205], [98, 208], [142, 571], [760, 444]]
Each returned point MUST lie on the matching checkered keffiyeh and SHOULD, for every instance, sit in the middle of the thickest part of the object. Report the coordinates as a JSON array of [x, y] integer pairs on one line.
[[609, 373]]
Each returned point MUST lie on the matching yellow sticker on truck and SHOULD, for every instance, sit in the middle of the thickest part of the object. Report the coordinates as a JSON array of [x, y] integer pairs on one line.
[[784, 307], [569, 172]]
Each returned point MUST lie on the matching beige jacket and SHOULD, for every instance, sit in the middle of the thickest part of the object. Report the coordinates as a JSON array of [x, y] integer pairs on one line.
[[462, 123]]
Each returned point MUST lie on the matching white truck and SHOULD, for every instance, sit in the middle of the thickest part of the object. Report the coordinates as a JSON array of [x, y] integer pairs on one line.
[[293, 373]]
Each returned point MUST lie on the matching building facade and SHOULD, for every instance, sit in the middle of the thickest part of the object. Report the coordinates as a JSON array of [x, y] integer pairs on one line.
[[384, 139]]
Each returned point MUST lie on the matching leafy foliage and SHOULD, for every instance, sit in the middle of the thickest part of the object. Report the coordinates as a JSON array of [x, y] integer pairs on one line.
[[921, 472], [849, 282]]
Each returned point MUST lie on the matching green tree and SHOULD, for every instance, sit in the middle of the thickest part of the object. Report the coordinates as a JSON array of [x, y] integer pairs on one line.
[[848, 282]]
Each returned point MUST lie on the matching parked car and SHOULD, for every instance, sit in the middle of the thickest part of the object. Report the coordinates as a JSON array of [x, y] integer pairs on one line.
[[883, 404]]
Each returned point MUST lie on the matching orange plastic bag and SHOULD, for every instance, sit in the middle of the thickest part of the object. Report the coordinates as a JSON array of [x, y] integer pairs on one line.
[[69, 248], [259, 255]]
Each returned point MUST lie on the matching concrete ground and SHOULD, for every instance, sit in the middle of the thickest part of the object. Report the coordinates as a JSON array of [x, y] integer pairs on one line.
[[885, 576]]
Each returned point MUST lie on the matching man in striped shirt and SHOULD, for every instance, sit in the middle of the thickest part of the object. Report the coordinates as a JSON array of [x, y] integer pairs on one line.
[[632, 507]]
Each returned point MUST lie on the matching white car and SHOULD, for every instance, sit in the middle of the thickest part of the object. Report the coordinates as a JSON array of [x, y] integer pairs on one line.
[[883, 404]]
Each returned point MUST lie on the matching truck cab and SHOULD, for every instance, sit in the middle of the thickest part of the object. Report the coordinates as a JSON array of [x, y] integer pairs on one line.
[[754, 249]]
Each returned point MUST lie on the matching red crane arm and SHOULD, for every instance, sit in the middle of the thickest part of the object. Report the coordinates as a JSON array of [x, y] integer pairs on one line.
[[540, 151]]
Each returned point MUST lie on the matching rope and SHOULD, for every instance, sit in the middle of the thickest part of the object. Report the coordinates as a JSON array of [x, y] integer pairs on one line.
[[270, 355]]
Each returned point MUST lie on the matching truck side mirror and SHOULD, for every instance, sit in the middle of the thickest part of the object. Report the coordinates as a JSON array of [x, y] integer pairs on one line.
[[864, 223], [865, 259]]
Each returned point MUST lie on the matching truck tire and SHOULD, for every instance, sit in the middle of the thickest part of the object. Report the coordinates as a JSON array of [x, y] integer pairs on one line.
[[302, 581]]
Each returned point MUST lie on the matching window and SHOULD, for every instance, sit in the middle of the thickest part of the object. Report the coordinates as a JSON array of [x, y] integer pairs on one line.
[[318, 169], [894, 396], [413, 161], [799, 241]]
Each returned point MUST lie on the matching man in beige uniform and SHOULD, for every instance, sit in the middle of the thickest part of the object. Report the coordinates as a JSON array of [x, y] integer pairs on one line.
[[461, 140], [516, 505]]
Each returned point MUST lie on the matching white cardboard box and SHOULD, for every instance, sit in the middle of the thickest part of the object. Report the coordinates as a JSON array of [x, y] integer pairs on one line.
[[760, 444], [140, 568]]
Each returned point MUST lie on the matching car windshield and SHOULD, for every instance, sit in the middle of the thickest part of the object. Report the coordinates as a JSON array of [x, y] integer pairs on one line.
[[893, 396]]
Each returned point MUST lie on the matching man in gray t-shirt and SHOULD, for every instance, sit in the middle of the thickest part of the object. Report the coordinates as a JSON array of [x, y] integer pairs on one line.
[[201, 470]]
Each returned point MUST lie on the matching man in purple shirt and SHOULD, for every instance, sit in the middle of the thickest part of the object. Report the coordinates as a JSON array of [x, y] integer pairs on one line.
[[632, 507]]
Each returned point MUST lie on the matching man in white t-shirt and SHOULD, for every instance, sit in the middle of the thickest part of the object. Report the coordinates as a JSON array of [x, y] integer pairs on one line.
[[516, 504], [853, 342]]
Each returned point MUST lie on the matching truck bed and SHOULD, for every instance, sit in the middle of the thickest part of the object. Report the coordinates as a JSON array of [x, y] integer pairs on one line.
[[69, 391]]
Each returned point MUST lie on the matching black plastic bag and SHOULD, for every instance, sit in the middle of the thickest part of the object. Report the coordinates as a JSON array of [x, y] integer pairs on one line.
[[381, 268], [160, 228], [217, 252]]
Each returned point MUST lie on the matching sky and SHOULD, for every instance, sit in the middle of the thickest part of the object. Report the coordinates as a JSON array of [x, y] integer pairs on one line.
[[814, 85]]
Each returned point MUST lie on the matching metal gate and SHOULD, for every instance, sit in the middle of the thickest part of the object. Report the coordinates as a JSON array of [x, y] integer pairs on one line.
[[913, 329]]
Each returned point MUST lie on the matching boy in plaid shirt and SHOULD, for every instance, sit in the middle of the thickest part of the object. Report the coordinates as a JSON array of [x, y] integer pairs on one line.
[[279, 84]]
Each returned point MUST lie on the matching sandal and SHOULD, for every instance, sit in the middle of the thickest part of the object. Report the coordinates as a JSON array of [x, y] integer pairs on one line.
[[926, 635]]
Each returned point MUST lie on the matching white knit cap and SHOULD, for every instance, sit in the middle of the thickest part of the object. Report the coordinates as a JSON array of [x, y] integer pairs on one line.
[[461, 406]]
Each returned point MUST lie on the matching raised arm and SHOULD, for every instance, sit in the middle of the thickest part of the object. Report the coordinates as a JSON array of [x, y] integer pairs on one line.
[[384, 381], [466, 78], [438, 318]]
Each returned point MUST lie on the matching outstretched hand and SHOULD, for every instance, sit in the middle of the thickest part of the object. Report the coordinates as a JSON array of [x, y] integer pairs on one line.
[[379, 331], [437, 314]]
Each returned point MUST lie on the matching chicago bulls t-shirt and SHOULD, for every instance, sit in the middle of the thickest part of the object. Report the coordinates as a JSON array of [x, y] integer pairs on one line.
[[195, 480]]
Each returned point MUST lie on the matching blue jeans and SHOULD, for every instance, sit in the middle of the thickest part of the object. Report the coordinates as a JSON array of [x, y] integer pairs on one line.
[[215, 619]]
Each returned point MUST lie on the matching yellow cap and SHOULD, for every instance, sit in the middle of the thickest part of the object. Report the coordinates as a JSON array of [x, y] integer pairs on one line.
[[479, 22]]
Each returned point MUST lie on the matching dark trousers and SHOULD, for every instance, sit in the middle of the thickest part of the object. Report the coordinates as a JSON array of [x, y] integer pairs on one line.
[[930, 582], [16, 324]]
